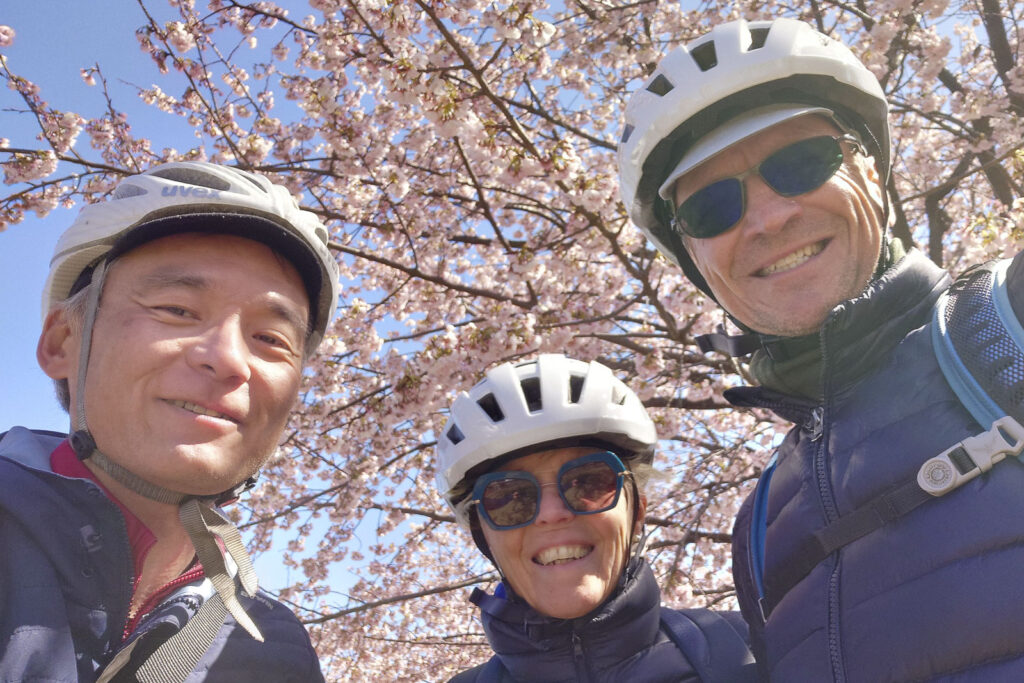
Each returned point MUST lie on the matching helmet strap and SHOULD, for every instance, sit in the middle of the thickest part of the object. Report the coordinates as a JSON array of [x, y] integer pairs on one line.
[[733, 345], [85, 447], [205, 525], [481, 541], [637, 542], [92, 304]]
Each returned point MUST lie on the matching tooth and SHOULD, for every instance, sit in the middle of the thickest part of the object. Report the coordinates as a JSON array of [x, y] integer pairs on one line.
[[561, 554], [198, 409], [794, 259]]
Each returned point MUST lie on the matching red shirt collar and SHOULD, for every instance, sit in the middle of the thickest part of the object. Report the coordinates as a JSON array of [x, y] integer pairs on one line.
[[64, 461]]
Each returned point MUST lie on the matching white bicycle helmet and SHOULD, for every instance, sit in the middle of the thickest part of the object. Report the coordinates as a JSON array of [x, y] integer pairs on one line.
[[525, 407], [737, 67], [193, 196]]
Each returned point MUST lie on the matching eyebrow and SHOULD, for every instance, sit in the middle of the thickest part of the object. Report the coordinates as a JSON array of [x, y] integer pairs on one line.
[[174, 278], [290, 316]]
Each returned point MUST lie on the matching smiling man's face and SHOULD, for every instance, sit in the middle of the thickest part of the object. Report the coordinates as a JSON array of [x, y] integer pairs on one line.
[[789, 260], [196, 359]]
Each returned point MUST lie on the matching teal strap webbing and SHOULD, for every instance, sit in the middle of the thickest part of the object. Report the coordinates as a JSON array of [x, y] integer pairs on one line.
[[173, 661], [971, 395]]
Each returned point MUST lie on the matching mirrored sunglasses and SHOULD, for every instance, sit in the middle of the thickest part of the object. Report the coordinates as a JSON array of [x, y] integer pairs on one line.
[[793, 170], [587, 485]]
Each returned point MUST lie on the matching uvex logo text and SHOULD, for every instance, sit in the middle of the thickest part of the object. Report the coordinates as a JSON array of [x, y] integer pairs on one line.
[[190, 192]]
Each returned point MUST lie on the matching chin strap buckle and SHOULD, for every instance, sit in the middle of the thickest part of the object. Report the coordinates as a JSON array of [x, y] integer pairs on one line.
[[233, 494], [734, 345], [83, 444], [974, 455]]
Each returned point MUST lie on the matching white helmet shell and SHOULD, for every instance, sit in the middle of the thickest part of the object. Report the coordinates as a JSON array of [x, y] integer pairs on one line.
[[553, 399], [737, 67], [202, 197]]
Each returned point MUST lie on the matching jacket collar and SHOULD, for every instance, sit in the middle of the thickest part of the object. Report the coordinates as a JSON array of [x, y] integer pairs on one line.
[[533, 645], [31, 448], [858, 333]]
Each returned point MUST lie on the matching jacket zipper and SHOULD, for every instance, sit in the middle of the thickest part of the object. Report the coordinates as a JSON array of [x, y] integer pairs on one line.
[[152, 601], [129, 586], [817, 423], [579, 659], [827, 497]]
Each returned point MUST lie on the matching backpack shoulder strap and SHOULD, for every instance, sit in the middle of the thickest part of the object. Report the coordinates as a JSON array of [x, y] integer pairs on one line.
[[713, 647], [758, 531], [979, 344], [176, 656]]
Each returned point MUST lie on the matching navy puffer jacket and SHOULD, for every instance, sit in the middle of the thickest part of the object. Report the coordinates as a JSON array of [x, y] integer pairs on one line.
[[936, 595], [66, 581], [623, 640]]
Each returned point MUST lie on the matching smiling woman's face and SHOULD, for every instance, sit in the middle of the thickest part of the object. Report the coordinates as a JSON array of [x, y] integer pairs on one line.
[[564, 565]]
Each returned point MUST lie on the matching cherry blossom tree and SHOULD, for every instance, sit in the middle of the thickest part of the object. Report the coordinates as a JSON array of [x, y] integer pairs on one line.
[[462, 154]]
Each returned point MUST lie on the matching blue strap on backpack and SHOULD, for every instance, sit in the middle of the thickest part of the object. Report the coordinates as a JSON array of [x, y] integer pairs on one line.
[[978, 340]]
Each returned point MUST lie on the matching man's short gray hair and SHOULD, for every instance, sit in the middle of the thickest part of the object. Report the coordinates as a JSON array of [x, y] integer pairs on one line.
[[74, 313]]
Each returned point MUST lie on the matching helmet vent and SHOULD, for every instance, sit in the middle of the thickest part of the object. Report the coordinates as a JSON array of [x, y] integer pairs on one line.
[[491, 407], [705, 55], [575, 388], [758, 36], [626, 132], [618, 396], [191, 176], [125, 190], [660, 86], [455, 434], [253, 180], [531, 392]]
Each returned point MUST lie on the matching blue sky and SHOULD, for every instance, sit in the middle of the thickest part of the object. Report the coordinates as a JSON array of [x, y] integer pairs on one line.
[[27, 397], [84, 36]]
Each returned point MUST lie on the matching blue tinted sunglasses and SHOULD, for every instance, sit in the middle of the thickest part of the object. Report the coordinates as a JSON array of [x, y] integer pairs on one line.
[[793, 170], [587, 485]]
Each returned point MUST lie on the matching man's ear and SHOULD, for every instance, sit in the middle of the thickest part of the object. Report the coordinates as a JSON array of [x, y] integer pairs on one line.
[[872, 184], [57, 350]]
